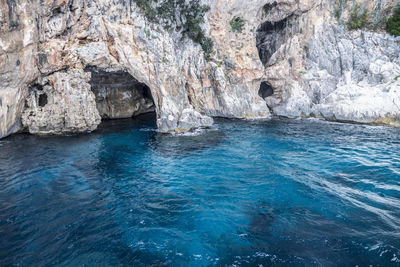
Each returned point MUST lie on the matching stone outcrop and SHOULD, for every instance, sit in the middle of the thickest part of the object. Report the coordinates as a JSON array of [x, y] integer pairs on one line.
[[291, 57], [61, 103], [18, 68], [350, 77], [319, 68]]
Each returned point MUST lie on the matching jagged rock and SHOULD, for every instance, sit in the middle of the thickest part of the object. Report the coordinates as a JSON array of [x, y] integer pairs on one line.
[[112, 37], [361, 85], [348, 77], [18, 38], [324, 70], [61, 103]]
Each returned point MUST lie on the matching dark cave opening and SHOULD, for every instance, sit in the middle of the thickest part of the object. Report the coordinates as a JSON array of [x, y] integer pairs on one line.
[[270, 36], [39, 97], [42, 100], [119, 95], [266, 90], [269, 6]]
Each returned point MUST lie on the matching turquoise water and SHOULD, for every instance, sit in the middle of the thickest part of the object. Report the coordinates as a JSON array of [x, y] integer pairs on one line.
[[283, 193]]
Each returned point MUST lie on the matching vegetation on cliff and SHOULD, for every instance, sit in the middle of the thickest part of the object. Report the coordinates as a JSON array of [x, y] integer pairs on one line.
[[179, 15], [393, 23], [358, 18], [237, 24]]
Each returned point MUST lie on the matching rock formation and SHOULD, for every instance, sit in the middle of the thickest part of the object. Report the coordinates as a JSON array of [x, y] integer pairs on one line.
[[65, 63], [317, 67], [61, 103]]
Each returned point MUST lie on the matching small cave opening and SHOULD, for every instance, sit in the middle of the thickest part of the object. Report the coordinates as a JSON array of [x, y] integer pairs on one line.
[[119, 95], [42, 100], [37, 97], [266, 90], [268, 7]]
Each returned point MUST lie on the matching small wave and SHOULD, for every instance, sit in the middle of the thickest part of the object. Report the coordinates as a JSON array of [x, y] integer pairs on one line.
[[395, 258], [243, 194], [350, 195], [195, 132], [3, 142], [148, 130], [382, 186]]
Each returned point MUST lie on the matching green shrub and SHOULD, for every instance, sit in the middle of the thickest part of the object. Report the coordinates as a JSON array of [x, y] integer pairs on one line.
[[358, 19], [207, 45], [179, 15], [237, 24], [393, 23], [338, 12]]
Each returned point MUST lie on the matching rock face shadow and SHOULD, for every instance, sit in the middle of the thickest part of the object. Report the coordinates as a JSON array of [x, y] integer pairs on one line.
[[266, 90], [271, 35], [119, 95]]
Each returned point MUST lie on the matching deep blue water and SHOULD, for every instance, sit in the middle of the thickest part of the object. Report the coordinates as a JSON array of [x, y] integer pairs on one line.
[[283, 192]]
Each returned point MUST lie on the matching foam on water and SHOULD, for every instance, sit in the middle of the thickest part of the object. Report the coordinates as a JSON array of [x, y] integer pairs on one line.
[[280, 192]]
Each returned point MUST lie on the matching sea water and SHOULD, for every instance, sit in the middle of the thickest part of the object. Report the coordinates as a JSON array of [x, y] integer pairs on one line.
[[280, 192]]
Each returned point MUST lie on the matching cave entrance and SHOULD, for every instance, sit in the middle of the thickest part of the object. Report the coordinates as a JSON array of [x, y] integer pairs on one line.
[[270, 36], [38, 96], [119, 95], [42, 100], [266, 90]]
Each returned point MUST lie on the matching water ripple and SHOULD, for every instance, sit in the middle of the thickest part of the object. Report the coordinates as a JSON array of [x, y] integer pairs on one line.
[[283, 192]]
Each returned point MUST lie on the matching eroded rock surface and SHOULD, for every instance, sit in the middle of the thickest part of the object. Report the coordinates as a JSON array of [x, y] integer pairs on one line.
[[18, 68], [61, 103], [352, 77], [319, 68]]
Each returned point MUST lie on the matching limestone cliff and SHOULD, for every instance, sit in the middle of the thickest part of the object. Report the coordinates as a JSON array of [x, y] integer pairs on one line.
[[66, 63], [317, 67]]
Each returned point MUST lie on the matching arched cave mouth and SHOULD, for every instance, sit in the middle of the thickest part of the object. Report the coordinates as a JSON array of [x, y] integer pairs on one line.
[[266, 90], [42, 100], [119, 95]]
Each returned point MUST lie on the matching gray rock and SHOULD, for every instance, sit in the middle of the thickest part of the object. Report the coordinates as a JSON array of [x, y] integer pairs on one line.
[[61, 103]]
